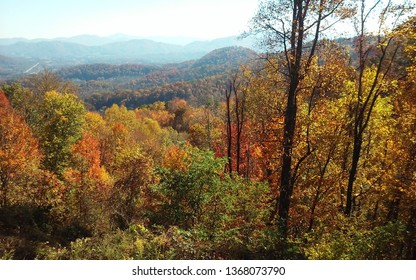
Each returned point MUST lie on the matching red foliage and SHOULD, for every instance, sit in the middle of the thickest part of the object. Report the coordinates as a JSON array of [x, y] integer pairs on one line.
[[4, 102]]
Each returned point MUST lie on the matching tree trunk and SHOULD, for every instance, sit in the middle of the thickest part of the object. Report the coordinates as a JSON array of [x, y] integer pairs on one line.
[[286, 175], [4, 189], [239, 114], [229, 131], [353, 172], [286, 180]]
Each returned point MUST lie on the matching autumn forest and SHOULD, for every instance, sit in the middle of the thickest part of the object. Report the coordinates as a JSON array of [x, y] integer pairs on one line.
[[305, 150]]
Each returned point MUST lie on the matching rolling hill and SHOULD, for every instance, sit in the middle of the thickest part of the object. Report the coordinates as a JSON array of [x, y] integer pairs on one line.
[[116, 49], [133, 85]]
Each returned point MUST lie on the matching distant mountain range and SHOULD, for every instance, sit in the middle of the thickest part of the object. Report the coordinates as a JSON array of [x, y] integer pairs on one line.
[[94, 40], [19, 55]]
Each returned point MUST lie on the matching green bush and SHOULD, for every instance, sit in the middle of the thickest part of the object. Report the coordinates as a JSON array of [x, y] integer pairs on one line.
[[136, 242], [379, 243]]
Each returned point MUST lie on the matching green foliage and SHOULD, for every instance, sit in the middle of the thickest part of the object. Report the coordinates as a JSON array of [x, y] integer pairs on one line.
[[186, 193], [59, 127], [135, 243], [355, 243], [23, 101], [139, 243], [214, 215]]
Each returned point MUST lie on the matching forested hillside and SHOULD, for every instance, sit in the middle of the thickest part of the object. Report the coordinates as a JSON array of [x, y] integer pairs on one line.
[[197, 81], [306, 151]]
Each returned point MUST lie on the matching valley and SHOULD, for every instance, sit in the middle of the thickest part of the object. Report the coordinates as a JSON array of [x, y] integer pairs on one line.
[[296, 143]]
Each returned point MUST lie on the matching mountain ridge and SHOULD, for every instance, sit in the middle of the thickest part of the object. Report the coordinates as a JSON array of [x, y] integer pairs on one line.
[[56, 53], [215, 61], [96, 40]]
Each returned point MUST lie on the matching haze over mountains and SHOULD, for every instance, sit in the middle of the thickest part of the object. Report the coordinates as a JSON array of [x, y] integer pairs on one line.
[[19, 55], [95, 40]]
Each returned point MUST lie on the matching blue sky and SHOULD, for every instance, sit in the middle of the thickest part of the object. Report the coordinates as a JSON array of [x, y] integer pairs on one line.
[[204, 19]]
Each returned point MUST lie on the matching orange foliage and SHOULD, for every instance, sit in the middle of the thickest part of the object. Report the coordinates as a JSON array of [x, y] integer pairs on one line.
[[177, 104], [176, 158], [19, 154], [87, 151]]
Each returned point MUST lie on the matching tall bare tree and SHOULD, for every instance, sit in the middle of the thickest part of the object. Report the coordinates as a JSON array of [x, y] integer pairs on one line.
[[377, 52], [293, 29]]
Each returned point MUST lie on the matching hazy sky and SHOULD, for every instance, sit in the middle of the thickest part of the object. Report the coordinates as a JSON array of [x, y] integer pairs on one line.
[[205, 19]]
